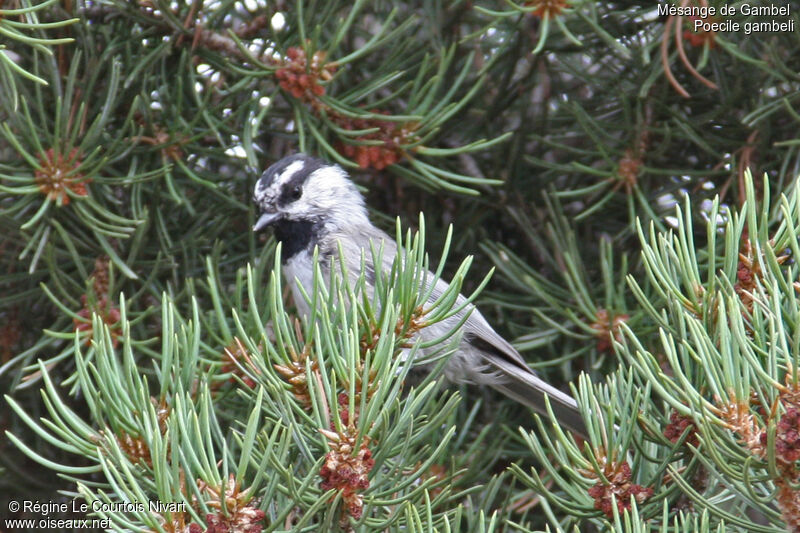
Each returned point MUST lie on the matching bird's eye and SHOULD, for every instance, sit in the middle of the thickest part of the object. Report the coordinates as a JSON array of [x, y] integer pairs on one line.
[[296, 193]]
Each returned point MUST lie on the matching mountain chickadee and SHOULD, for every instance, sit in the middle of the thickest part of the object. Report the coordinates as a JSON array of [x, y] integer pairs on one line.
[[310, 202]]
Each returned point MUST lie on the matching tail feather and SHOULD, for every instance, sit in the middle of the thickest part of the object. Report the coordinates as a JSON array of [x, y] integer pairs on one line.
[[527, 388]]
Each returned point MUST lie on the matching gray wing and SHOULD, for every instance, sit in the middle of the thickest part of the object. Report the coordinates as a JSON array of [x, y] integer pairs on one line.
[[484, 357]]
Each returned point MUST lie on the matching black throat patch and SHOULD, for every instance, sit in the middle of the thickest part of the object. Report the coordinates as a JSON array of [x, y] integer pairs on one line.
[[296, 236]]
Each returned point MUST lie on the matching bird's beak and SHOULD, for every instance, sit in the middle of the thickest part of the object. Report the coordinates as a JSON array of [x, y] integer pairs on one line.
[[265, 220]]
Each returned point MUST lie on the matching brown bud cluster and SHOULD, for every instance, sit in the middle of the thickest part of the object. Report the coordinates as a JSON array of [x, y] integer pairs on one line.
[[753, 434], [620, 487], [630, 164], [677, 425], [749, 272], [100, 304], [607, 327], [346, 469], [344, 413], [547, 8], [301, 78], [234, 356], [787, 436], [234, 514], [628, 169], [169, 144], [57, 176], [135, 448], [109, 314], [404, 331], [247, 520], [295, 371], [392, 136], [700, 38]]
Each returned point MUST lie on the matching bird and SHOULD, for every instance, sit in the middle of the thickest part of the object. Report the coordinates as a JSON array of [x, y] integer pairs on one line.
[[313, 204]]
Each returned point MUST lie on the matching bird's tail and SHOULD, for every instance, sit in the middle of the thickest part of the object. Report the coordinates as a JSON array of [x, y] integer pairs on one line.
[[524, 386]]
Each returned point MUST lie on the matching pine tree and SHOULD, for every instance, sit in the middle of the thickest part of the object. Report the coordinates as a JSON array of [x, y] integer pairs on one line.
[[629, 172]]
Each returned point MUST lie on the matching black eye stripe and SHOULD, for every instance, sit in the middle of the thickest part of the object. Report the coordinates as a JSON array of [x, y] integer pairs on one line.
[[290, 192], [293, 189]]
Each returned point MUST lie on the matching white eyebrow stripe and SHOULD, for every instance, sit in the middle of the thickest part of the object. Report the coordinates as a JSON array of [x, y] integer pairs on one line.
[[290, 171]]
